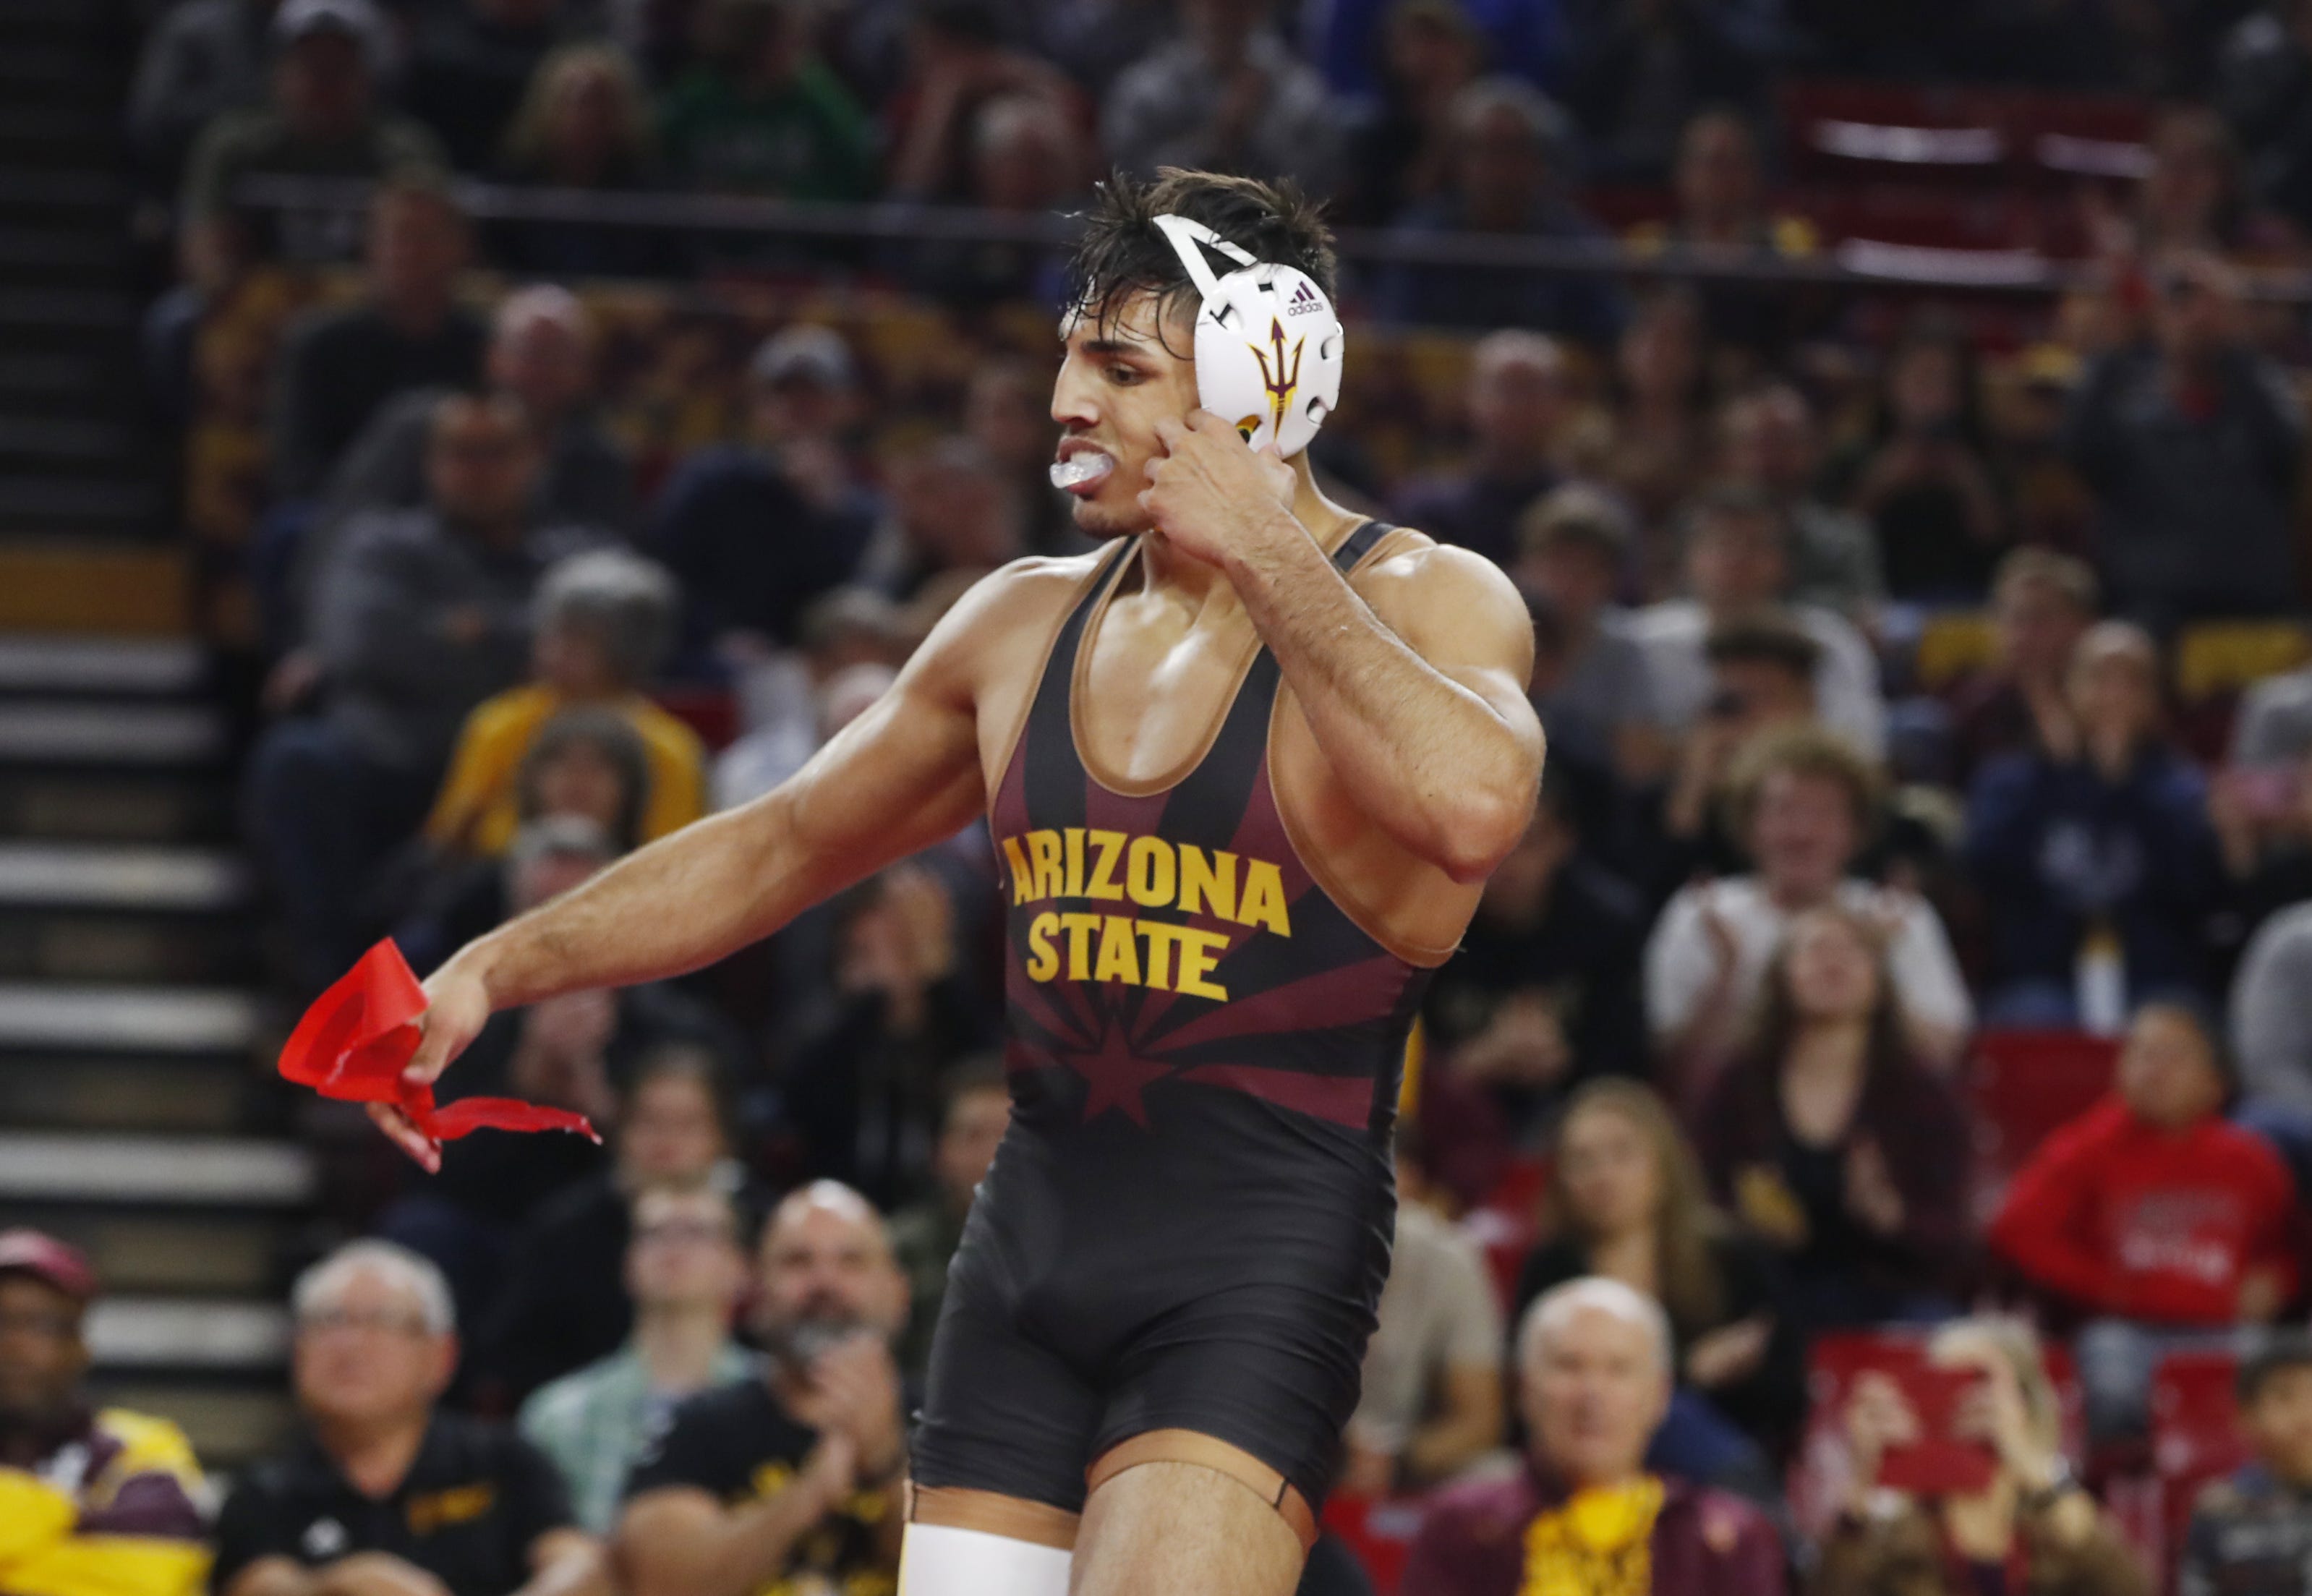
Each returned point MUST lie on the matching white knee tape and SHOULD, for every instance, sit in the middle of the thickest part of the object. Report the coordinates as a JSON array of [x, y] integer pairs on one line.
[[941, 1560]]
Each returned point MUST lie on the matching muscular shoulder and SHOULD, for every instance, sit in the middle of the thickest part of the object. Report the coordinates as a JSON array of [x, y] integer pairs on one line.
[[1437, 595], [1003, 615]]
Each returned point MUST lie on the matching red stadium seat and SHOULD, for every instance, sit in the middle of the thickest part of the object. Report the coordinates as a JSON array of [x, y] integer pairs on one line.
[[2194, 1435], [1379, 1533], [2022, 1085], [1507, 1223], [1848, 129]]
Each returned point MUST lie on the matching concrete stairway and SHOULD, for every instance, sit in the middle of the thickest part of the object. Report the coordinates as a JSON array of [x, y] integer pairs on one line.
[[136, 1117]]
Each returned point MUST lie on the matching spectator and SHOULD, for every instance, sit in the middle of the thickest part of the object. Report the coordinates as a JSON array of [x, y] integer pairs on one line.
[[1023, 160], [2252, 1533], [540, 352], [2191, 444], [1346, 39], [1544, 993], [757, 531], [1829, 1140], [2193, 195], [90, 1498], [1227, 96], [1655, 452], [960, 67], [339, 367], [584, 122], [1762, 674], [1768, 441], [419, 616], [975, 1110], [2153, 1214], [323, 121], [1804, 804], [2033, 1516], [952, 514], [562, 1301], [761, 114], [586, 764], [1007, 412], [1572, 543], [1595, 1368], [1627, 1199], [684, 1272], [793, 704], [1736, 560], [1637, 77], [2271, 1024], [1509, 177], [2094, 848], [469, 64], [603, 622], [2042, 604], [1721, 218], [2275, 720], [1922, 477], [859, 1062], [1401, 153], [1432, 1394], [202, 58], [2265, 90], [1518, 403], [385, 1490], [791, 1475]]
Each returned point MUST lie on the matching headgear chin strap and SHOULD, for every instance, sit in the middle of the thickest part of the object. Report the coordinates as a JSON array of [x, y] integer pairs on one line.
[[1268, 344]]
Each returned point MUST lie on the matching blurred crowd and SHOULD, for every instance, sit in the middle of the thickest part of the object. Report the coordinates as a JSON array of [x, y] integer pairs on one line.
[[1920, 683]]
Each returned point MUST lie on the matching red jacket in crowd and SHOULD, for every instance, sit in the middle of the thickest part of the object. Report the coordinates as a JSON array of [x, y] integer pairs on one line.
[[2162, 1225]]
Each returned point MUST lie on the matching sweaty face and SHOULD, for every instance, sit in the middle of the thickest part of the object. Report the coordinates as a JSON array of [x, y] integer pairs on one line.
[[2279, 1421], [1610, 1179], [1802, 833], [2167, 1073], [41, 1353], [365, 1355], [1118, 379], [1595, 1389]]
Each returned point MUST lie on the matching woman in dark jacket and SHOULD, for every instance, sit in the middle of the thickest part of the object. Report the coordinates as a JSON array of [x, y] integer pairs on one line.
[[1827, 1138]]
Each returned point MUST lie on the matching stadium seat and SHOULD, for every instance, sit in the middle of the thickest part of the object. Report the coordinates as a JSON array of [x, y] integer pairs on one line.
[[1843, 129], [2022, 1085], [1952, 646], [2223, 657], [1379, 1531], [1507, 1223]]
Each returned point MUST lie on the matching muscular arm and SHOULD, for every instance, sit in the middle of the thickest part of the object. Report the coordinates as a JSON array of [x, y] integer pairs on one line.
[[681, 1542], [1417, 698], [901, 776]]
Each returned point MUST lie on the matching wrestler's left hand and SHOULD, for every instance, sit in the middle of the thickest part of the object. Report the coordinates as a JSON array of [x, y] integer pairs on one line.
[[1208, 492]]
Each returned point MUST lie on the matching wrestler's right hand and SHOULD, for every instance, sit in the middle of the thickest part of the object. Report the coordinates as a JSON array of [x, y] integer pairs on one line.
[[457, 1007]]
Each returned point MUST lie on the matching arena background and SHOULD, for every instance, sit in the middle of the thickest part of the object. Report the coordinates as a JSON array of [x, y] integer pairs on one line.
[[1882, 274]]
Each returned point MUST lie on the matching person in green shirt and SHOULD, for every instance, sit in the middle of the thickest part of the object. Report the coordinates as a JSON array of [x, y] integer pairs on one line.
[[685, 1270], [763, 115]]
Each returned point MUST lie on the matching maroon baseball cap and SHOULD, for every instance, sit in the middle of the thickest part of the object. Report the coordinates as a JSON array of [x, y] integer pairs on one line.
[[47, 1259]]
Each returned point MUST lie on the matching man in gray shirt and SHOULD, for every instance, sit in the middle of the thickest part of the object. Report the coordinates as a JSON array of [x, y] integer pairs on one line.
[[418, 615], [1226, 96]]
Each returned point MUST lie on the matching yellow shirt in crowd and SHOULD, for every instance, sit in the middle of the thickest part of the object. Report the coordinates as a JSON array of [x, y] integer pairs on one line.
[[476, 811]]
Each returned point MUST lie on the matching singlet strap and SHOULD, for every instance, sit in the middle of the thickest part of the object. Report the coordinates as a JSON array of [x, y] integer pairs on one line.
[[1359, 544]]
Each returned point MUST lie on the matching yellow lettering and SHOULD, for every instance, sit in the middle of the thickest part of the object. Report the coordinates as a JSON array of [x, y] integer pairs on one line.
[[1044, 848], [1263, 903], [1161, 940], [1043, 958], [1079, 928], [1120, 951], [1148, 872], [1103, 882], [1207, 880], [1074, 834], [1022, 884], [1199, 952]]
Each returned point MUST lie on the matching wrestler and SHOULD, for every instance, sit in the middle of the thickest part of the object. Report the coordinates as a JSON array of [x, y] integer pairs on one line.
[[1246, 767]]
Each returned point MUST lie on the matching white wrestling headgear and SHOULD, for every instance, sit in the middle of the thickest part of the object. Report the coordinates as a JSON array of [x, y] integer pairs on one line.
[[1268, 343]]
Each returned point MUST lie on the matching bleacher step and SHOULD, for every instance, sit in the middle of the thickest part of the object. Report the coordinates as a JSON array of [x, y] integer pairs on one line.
[[72, 945], [239, 1173], [103, 1018], [126, 1094], [154, 880], [147, 806], [228, 1426], [32, 663], [131, 1332], [56, 733], [214, 1255]]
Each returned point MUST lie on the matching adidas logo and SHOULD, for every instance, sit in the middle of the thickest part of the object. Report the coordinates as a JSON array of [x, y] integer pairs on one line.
[[1303, 300]]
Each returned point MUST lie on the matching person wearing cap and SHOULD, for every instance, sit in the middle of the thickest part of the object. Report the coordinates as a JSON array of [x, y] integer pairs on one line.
[[384, 1493], [325, 121], [2156, 1215], [758, 529], [93, 1502]]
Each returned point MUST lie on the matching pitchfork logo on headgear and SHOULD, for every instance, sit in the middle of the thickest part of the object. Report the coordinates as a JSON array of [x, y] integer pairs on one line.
[[1274, 383]]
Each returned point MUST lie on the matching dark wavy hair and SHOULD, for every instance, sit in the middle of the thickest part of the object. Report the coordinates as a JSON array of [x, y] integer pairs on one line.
[[1122, 253], [1775, 1021]]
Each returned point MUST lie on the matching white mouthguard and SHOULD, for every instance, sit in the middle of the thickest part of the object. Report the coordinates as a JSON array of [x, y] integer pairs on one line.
[[1080, 468]]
